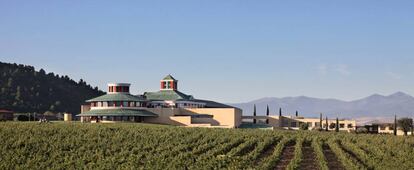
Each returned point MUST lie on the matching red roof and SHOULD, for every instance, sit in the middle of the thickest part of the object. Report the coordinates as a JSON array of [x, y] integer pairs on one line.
[[5, 111]]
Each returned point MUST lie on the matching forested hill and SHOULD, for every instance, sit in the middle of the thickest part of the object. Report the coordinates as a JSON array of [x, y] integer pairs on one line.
[[22, 89]]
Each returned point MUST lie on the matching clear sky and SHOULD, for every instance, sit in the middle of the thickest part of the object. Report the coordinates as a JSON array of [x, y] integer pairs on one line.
[[225, 50]]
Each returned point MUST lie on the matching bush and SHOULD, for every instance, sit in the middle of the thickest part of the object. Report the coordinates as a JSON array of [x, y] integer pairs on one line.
[[304, 126], [361, 130], [22, 118]]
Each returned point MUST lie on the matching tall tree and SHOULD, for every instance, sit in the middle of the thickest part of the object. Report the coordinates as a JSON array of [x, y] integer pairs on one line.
[[267, 114], [254, 114], [326, 127], [395, 125], [412, 128], [280, 111], [297, 113], [320, 121], [337, 125], [405, 124], [24, 90]]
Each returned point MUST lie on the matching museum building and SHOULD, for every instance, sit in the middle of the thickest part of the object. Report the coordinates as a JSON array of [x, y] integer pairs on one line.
[[166, 106]]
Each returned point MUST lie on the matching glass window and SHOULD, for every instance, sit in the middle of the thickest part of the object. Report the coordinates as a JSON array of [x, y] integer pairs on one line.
[[124, 118], [341, 125], [125, 104], [293, 124], [117, 104], [104, 104], [110, 104], [350, 126]]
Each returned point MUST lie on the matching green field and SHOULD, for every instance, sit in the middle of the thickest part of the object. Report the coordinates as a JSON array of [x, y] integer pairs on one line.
[[142, 146]]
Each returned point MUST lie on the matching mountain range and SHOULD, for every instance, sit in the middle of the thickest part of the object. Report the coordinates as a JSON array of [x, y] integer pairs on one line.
[[370, 109]]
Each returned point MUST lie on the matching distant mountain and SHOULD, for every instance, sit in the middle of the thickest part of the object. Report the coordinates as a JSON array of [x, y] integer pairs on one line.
[[375, 107], [22, 89]]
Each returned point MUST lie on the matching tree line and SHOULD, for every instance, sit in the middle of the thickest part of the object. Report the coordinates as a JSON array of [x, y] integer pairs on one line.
[[23, 89]]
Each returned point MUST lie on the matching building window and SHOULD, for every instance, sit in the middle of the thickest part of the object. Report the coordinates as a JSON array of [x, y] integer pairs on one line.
[[117, 104], [317, 124], [111, 104], [168, 84], [341, 125], [309, 124], [350, 126], [293, 124], [125, 104]]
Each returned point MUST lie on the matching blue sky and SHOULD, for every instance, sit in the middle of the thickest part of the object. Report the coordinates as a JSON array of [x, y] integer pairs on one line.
[[225, 50]]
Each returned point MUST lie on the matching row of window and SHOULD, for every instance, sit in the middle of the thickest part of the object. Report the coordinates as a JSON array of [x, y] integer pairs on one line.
[[143, 104], [384, 128], [168, 85], [180, 105], [118, 104], [317, 124], [118, 89], [115, 118]]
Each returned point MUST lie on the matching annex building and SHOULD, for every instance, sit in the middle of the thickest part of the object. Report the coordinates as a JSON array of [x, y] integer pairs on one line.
[[167, 106], [295, 122]]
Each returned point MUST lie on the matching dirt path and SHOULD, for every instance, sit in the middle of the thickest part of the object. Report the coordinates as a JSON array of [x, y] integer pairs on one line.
[[287, 155], [309, 157], [247, 149], [332, 160], [353, 155], [266, 152]]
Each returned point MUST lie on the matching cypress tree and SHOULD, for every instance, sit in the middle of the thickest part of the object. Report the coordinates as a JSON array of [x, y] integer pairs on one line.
[[327, 126], [267, 114], [280, 111], [320, 121], [254, 114], [297, 113], [337, 125], [395, 125], [412, 128]]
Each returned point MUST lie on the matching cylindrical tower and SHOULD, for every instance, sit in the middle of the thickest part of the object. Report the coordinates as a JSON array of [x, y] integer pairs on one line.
[[118, 88]]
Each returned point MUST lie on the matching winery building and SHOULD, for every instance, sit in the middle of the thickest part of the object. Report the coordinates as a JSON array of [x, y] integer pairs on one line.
[[166, 106]]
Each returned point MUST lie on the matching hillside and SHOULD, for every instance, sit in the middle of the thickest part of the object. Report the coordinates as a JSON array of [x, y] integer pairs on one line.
[[23, 89], [374, 106]]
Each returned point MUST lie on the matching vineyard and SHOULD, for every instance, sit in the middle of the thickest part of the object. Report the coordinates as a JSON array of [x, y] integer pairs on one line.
[[142, 146]]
